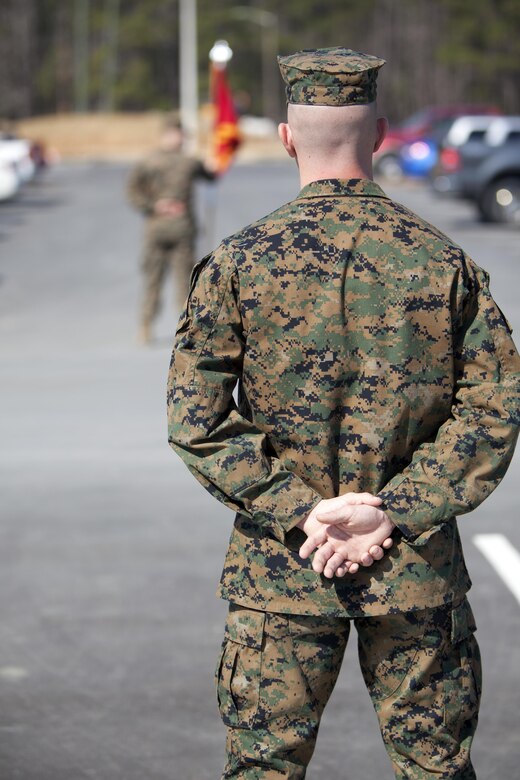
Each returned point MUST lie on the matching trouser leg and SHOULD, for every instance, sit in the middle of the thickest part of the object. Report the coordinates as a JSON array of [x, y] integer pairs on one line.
[[274, 678], [422, 670], [155, 264], [182, 260]]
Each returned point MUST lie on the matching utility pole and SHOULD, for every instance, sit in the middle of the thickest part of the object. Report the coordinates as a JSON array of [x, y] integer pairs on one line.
[[188, 68], [81, 52]]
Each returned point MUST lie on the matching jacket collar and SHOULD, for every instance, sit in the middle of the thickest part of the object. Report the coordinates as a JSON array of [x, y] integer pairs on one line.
[[342, 187]]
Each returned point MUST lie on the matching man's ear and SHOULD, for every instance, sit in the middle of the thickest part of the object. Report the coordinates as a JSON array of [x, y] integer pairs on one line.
[[382, 130], [285, 135]]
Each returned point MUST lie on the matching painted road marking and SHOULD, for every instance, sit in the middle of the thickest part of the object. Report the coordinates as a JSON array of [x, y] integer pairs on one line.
[[504, 558]]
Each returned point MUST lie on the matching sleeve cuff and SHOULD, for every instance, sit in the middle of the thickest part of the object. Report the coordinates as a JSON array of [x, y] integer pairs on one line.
[[287, 501], [416, 510]]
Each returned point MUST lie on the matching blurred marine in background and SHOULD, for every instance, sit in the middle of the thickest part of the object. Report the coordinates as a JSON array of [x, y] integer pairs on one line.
[[161, 187], [378, 398]]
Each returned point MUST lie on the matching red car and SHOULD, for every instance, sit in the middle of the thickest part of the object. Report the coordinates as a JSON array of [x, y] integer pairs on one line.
[[430, 123]]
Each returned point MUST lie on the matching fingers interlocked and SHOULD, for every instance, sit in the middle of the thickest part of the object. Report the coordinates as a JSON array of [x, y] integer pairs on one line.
[[346, 532]]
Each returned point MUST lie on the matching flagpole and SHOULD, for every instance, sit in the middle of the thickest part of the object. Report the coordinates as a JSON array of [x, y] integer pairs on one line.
[[219, 57], [188, 70], [216, 54], [210, 213]]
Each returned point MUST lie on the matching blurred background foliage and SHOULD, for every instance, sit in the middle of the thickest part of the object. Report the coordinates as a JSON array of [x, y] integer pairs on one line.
[[101, 55]]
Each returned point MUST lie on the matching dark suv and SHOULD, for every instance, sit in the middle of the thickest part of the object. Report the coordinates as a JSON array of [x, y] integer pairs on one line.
[[485, 170]]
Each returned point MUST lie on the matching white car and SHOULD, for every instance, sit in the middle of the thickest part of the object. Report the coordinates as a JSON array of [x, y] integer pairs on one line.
[[9, 181], [17, 152]]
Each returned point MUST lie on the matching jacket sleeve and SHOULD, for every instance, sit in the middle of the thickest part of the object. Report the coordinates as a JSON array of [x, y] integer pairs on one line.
[[138, 189], [473, 448], [201, 172], [226, 452]]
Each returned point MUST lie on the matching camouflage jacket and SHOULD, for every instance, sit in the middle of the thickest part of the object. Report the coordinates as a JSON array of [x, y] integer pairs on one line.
[[165, 174], [369, 356]]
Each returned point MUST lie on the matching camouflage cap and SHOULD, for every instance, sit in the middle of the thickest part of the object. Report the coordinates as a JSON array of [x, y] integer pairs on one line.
[[330, 77]]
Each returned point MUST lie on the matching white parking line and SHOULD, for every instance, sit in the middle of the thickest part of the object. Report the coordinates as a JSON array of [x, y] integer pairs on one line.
[[504, 558]]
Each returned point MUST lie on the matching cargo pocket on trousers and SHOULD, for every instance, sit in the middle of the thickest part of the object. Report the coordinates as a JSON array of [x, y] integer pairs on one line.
[[462, 671], [239, 668]]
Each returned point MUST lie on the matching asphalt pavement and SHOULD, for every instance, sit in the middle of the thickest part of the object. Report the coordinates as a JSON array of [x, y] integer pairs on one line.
[[110, 552]]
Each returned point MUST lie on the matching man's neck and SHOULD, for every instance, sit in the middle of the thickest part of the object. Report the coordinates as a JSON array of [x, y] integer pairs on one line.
[[308, 174]]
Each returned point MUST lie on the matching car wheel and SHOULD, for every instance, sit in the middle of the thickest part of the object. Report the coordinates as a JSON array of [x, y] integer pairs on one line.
[[500, 201], [389, 167]]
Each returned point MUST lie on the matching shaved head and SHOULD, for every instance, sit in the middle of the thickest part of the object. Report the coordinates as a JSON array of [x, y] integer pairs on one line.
[[331, 130], [333, 137]]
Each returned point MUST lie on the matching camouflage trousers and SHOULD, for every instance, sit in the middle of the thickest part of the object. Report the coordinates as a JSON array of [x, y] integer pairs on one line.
[[422, 670], [160, 257]]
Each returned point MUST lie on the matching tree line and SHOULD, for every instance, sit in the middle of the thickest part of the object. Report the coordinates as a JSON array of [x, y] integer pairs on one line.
[[102, 55]]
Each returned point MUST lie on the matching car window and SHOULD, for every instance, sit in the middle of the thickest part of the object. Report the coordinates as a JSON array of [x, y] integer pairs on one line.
[[477, 135]]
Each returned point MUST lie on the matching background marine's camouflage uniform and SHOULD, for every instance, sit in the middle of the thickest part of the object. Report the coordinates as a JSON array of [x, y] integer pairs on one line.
[[370, 356], [169, 241]]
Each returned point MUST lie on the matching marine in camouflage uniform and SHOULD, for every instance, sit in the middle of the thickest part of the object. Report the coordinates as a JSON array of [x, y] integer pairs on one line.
[[166, 176], [369, 356]]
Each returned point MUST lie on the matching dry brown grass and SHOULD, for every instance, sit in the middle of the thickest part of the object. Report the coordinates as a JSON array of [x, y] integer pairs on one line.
[[122, 136]]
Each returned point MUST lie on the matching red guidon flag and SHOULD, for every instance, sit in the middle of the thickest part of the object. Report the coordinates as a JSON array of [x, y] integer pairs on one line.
[[226, 135]]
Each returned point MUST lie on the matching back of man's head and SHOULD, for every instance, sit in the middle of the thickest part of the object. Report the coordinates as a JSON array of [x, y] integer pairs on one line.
[[332, 127], [333, 131]]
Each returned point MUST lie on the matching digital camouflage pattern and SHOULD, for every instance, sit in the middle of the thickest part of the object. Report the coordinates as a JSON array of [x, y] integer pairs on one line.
[[169, 241], [370, 356], [276, 673], [330, 77]]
